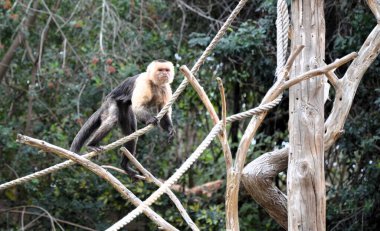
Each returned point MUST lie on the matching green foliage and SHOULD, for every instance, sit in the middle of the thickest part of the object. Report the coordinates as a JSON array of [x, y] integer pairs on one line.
[[75, 75]]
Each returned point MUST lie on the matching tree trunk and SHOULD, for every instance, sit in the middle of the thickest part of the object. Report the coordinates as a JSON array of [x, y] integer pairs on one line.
[[306, 183], [258, 176]]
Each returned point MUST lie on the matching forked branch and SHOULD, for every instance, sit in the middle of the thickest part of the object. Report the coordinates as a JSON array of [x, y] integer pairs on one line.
[[277, 89], [149, 177], [101, 172], [258, 175]]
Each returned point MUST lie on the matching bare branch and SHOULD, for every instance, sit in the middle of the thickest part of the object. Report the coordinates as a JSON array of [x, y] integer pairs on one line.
[[258, 178], [183, 23], [201, 93], [232, 215], [199, 12], [293, 55], [45, 215], [224, 141], [334, 80], [374, 5], [319, 71], [250, 131], [101, 172], [210, 108], [261, 181], [349, 84], [63, 34], [231, 212], [80, 95], [104, 6], [150, 177], [119, 170], [275, 91]]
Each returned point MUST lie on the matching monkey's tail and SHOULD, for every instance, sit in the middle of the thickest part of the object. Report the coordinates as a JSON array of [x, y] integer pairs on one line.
[[86, 131]]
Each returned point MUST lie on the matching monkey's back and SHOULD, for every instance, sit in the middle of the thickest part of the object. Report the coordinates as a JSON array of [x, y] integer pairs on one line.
[[123, 92]]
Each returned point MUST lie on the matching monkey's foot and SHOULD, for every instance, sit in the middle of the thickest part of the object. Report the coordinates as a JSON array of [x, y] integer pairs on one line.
[[133, 174], [131, 171], [171, 136], [95, 148], [153, 121]]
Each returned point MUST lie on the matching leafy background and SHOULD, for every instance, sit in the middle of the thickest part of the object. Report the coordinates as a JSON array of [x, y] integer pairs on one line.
[[51, 99]]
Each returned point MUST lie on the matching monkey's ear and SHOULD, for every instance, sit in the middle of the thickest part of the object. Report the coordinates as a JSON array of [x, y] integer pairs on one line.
[[150, 67]]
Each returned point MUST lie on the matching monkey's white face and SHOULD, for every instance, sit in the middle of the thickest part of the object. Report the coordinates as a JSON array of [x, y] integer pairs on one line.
[[163, 73]]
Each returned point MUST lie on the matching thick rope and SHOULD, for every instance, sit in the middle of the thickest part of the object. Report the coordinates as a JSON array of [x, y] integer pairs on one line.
[[68, 163], [144, 130], [203, 57], [282, 25], [186, 165]]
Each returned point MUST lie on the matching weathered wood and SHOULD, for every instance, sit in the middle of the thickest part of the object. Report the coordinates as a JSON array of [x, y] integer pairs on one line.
[[258, 175], [306, 181], [348, 85], [258, 181], [232, 188]]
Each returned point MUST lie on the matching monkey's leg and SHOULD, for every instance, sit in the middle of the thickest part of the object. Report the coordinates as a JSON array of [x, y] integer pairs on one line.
[[128, 124], [108, 120], [167, 125]]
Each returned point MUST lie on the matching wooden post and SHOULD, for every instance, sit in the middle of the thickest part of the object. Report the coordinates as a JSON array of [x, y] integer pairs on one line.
[[306, 183]]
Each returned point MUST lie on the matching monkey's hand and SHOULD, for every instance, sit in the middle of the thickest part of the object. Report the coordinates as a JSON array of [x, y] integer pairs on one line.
[[153, 121], [171, 136], [95, 148]]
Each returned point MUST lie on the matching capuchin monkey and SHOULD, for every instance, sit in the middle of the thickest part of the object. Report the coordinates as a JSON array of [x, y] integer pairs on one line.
[[137, 98]]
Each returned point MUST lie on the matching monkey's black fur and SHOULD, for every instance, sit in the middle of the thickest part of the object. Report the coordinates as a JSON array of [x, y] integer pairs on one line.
[[117, 109]]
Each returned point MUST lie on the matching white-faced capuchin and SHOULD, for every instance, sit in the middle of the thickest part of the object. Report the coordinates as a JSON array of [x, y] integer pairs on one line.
[[139, 97]]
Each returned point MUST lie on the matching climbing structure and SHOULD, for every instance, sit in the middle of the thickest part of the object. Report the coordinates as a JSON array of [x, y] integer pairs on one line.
[[234, 170]]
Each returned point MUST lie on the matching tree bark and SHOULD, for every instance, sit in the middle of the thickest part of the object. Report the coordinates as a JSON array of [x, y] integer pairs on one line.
[[258, 181], [306, 182], [258, 175]]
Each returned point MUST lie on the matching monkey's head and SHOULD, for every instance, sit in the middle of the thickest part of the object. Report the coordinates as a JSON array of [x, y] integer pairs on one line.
[[161, 72]]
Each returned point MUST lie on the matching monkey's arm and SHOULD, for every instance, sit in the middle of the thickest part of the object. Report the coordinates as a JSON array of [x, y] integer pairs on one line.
[[166, 121], [167, 124], [144, 115], [128, 125]]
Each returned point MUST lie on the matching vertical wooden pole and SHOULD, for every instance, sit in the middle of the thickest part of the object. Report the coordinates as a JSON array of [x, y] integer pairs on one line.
[[306, 182]]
